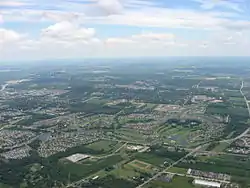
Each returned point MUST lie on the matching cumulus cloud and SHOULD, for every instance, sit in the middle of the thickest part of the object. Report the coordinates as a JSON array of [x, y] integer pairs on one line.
[[9, 36], [67, 31], [110, 6], [64, 35]]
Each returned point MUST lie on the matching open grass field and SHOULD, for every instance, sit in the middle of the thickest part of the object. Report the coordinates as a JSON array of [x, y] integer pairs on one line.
[[129, 134], [125, 172], [178, 170], [97, 101], [132, 169], [87, 167], [221, 147], [104, 145], [237, 99], [136, 164], [232, 93], [4, 186], [177, 182], [150, 106], [150, 158]]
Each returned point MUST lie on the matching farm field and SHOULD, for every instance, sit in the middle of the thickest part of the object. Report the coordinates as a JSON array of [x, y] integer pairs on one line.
[[176, 182], [221, 147], [178, 170], [150, 158], [88, 167]]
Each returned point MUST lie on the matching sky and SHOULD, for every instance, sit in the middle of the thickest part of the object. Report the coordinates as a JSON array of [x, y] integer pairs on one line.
[[58, 29]]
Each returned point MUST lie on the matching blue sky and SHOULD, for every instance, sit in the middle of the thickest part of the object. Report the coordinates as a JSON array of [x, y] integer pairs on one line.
[[42, 29]]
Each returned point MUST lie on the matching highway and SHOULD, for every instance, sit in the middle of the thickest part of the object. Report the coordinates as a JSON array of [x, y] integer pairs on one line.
[[248, 108]]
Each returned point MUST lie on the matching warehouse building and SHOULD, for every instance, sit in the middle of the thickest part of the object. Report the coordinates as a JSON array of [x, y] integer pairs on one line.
[[77, 157], [206, 183]]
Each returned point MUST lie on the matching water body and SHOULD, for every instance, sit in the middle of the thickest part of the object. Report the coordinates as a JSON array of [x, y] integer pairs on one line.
[[44, 136]]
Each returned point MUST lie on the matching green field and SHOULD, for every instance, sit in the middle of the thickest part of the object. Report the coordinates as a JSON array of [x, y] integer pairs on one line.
[[4, 186], [178, 170], [175, 135], [221, 147], [97, 101], [151, 158], [127, 170], [124, 172], [129, 134], [236, 166], [177, 182], [88, 167], [104, 145], [150, 106]]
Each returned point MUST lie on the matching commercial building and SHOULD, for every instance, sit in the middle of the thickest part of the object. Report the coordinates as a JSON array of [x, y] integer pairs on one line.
[[77, 157], [206, 183]]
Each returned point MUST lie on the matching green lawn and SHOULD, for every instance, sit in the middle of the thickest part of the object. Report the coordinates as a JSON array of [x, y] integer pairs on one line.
[[178, 170], [104, 145], [221, 147], [129, 134], [97, 101], [125, 172], [150, 106], [4, 186], [150, 158]]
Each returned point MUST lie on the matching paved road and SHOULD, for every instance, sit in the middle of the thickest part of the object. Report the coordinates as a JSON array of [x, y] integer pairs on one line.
[[170, 166], [248, 108], [120, 148], [89, 99]]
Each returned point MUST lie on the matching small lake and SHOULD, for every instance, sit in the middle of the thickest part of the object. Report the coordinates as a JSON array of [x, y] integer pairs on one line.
[[44, 136]]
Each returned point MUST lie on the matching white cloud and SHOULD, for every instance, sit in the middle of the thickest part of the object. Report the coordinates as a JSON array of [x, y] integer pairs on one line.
[[110, 6], [10, 3], [115, 12], [59, 16], [142, 39], [9, 36], [1, 19], [118, 41], [154, 36], [209, 4], [67, 31], [225, 34], [170, 18]]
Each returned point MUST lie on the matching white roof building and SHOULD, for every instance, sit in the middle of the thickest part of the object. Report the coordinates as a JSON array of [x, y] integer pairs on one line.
[[77, 157], [207, 183]]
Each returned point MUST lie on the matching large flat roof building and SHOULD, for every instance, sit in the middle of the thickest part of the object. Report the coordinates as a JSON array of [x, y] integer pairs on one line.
[[77, 157], [206, 183]]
